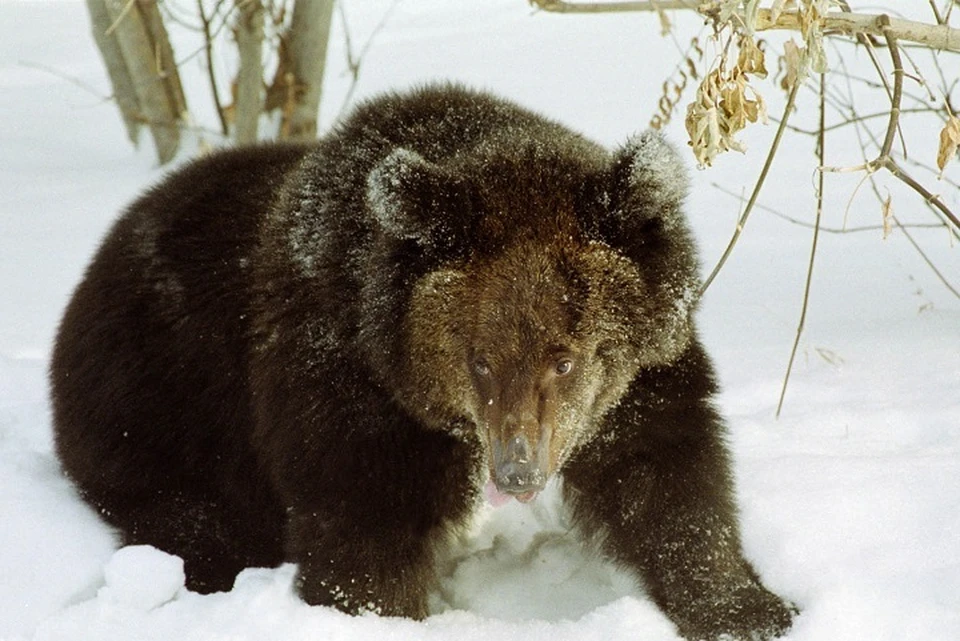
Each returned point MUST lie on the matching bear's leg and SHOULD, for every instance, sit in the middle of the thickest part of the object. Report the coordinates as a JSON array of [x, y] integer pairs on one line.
[[215, 542], [366, 539], [388, 572], [665, 520], [658, 493]]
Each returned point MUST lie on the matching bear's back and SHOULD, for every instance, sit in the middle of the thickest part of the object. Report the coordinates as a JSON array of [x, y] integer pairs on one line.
[[157, 328]]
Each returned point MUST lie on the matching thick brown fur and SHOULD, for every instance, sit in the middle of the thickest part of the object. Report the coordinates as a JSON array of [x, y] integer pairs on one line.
[[321, 354]]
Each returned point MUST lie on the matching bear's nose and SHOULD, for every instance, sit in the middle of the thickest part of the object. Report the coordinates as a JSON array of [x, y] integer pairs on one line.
[[517, 467]]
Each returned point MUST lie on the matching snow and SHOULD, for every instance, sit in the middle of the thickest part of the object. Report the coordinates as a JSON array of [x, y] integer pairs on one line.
[[850, 502], [141, 577]]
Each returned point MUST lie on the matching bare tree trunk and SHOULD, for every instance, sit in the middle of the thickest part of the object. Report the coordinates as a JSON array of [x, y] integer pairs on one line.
[[139, 59], [123, 91], [307, 48], [249, 98]]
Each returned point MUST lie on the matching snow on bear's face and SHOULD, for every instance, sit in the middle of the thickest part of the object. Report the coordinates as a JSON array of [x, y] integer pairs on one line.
[[532, 345], [537, 292]]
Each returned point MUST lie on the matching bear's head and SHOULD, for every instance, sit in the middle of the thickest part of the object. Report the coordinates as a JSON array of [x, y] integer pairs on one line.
[[552, 281]]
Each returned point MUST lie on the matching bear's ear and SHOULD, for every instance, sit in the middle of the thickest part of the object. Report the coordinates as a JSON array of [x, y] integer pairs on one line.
[[414, 199], [646, 183], [641, 216]]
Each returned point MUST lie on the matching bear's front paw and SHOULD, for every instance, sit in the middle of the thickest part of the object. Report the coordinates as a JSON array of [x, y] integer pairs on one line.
[[749, 614], [357, 595]]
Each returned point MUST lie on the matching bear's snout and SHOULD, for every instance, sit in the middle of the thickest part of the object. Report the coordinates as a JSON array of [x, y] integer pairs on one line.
[[520, 468]]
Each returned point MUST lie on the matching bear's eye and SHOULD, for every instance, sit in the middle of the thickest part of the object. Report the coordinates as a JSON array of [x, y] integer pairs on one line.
[[481, 367], [564, 366]]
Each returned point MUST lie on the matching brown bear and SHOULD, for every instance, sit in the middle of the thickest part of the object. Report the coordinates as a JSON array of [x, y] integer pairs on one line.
[[324, 354]]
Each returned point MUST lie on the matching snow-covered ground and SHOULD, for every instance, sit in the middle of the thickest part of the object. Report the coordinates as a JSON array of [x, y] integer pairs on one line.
[[850, 502]]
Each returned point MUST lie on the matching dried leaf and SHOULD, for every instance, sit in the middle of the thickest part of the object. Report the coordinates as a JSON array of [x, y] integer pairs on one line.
[[695, 43], [829, 356], [949, 142], [726, 10], [750, 10], [761, 107], [751, 58], [731, 101], [737, 109], [703, 127], [724, 104], [664, 21], [886, 211], [778, 7], [811, 28], [673, 88], [678, 89], [793, 62], [818, 56]]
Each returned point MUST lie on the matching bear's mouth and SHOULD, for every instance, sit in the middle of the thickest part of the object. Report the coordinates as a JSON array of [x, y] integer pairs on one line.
[[518, 468], [496, 497]]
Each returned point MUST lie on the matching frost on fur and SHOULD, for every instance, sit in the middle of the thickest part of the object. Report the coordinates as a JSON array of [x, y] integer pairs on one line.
[[411, 198], [385, 186], [657, 175]]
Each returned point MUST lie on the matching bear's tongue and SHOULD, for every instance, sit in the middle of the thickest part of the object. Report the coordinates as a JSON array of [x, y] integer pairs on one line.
[[496, 498]]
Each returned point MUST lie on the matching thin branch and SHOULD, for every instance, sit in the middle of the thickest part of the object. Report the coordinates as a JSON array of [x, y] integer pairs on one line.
[[941, 179], [884, 160], [823, 229], [756, 189], [123, 14], [894, 122], [559, 6], [943, 279], [354, 62], [211, 72], [919, 77], [940, 36], [846, 122], [862, 129], [894, 100], [926, 259], [214, 32], [872, 84], [929, 197], [821, 152], [71, 79], [173, 13]]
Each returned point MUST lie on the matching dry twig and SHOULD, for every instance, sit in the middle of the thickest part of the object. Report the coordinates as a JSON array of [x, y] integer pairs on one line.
[[823, 228], [205, 22], [788, 108], [559, 6], [884, 159], [859, 129], [354, 61], [821, 152], [939, 36]]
